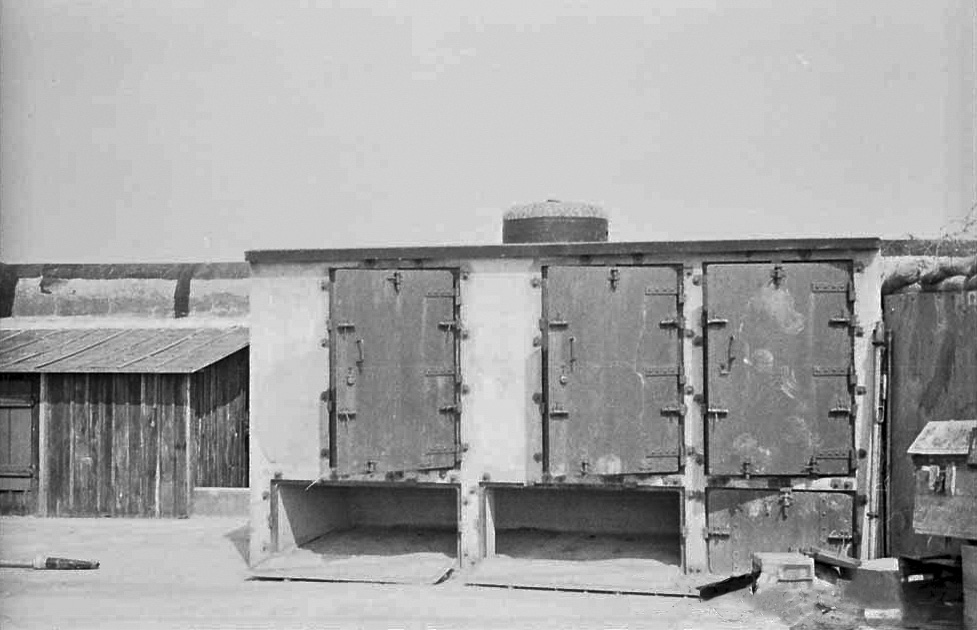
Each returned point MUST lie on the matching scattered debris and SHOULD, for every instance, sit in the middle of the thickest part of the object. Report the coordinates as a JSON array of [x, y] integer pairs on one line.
[[728, 585], [52, 563]]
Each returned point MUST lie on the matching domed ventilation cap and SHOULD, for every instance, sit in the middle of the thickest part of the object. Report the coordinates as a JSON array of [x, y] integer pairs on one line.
[[554, 221]]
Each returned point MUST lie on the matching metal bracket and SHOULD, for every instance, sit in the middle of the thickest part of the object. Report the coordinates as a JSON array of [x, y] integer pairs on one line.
[[778, 275], [614, 277]]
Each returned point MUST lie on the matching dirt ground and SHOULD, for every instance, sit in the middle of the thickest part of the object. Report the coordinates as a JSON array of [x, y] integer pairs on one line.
[[193, 574]]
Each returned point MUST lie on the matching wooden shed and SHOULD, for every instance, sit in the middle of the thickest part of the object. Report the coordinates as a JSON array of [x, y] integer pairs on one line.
[[123, 388], [121, 422]]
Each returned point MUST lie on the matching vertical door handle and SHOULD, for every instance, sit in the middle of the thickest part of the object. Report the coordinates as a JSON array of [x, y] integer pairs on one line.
[[726, 368], [359, 351], [573, 356]]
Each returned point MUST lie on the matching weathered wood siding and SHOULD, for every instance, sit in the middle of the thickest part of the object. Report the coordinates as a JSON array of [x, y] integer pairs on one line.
[[116, 445], [934, 377], [219, 400]]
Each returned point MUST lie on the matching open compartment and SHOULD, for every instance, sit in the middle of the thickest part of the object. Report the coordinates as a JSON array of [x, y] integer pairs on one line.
[[591, 539], [391, 533]]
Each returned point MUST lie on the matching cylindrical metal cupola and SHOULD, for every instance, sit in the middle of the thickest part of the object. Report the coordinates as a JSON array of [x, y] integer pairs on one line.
[[554, 221]]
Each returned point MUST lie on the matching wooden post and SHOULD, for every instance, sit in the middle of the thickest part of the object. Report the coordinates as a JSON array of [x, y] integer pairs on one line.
[[43, 474], [191, 444]]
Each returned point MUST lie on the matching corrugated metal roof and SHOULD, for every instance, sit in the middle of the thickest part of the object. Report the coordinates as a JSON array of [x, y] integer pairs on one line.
[[132, 350], [944, 437]]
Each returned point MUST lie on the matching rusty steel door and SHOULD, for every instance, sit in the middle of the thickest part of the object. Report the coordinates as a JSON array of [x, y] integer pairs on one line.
[[614, 370], [741, 522], [779, 369], [394, 370]]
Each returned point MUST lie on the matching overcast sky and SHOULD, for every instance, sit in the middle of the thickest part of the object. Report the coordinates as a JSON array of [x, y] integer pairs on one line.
[[176, 130]]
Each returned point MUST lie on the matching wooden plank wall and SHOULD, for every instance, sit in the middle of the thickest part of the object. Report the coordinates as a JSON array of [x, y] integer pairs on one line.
[[934, 377], [219, 397], [116, 445]]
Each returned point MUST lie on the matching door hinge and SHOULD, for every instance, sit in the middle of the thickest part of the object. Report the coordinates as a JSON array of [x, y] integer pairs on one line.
[[674, 410], [673, 322], [558, 412], [717, 531], [718, 322], [558, 323], [840, 535], [717, 411], [813, 466], [456, 450], [449, 324]]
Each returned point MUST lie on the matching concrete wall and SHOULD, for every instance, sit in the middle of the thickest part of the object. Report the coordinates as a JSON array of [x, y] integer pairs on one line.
[[289, 370]]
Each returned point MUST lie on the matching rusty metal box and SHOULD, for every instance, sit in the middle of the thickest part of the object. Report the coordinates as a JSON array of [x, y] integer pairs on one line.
[[945, 457]]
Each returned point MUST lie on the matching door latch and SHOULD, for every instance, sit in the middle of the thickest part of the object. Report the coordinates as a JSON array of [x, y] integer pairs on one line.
[[777, 274], [614, 277], [727, 367], [396, 279]]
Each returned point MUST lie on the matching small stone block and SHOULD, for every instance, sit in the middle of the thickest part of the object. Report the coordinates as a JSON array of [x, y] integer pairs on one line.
[[877, 584], [784, 568]]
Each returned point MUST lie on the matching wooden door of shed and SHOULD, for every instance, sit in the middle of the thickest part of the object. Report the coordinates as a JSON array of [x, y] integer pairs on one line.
[[18, 445]]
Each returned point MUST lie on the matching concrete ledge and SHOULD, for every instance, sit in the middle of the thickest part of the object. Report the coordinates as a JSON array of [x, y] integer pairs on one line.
[[221, 502]]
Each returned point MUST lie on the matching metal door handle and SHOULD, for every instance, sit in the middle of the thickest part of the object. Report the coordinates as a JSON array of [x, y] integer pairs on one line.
[[726, 368], [359, 350], [573, 357]]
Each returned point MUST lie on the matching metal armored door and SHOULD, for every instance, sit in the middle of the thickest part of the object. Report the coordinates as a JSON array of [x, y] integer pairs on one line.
[[614, 369], [741, 522], [779, 357], [394, 370]]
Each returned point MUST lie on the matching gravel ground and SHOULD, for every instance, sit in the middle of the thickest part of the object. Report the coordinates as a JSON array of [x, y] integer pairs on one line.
[[192, 574]]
